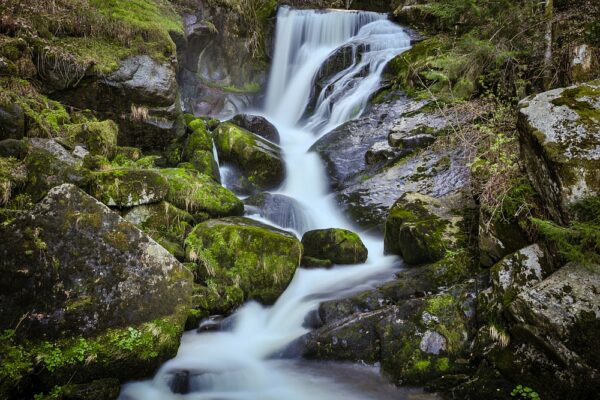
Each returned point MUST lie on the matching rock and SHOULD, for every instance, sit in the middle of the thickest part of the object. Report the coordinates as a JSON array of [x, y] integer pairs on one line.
[[142, 96], [126, 187], [381, 152], [12, 176], [99, 138], [282, 210], [412, 142], [556, 324], [48, 165], [340, 246], [422, 229], [498, 237], [258, 125], [419, 129], [559, 133], [259, 160], [204, 162], [199, 139], [198, 193], [366, 191], [12, 121], [512, 275], [163, 222], [243, 260], [105, 272]]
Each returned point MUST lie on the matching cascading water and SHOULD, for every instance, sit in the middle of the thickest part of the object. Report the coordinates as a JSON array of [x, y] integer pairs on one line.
[[238, 363]]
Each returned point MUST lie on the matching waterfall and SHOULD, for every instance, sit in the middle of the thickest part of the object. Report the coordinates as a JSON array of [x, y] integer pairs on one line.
[[239, 363]]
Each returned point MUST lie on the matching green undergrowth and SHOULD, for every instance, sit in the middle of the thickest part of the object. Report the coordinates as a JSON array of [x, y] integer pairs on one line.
[[579, 241], [72, 36]]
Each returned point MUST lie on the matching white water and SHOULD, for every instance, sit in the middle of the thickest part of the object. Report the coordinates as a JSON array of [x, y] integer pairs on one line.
[[236, 364]]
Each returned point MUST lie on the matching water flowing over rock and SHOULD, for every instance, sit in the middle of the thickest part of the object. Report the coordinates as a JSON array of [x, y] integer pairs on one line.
[[282, 210], [560, 143], [339, 246]]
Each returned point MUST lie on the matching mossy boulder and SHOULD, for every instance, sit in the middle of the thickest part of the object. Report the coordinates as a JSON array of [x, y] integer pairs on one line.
[[48, 165], [559, 133], [99, 299], [258, 125], [422, 229], [240, 259], [163, 222], [128, 187], [13, 148], [259, 160], [340, 246], [99, 138], [12, 121], [198, 193], [204, 162], [553, 337]]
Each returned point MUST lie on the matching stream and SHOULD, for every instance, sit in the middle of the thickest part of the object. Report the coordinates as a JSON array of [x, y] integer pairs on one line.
[[242, 361]]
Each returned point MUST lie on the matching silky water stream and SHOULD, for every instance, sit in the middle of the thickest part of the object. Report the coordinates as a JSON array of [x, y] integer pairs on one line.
[[241, 363]]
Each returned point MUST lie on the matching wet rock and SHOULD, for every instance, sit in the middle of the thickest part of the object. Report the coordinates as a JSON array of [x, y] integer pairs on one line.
[[258, 125], [421, 229], [312, 262], [340, 246], [381, 152], [12, 122], [259, 159], [210, 324], [204, 162], [199, 139], [282, 210], [197, 193], [559, 133], [180, 383], [104, 271], [243, 259], [128, 187], [552, 341], [412, 142]]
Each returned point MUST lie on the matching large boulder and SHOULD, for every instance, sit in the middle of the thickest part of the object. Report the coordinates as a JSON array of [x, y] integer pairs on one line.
[[553, 340], [282, 210], [258, 125], [12, 121], [259, 160], [198, 193], [240, 259], [421, 229], [559, 132], [91, 295], [339, 246], [128, 187]]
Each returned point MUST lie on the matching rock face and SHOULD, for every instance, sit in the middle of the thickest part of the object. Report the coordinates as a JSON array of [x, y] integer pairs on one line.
[[259, 160], [87, 270], [559, 132], [240, 259], [142, 96], [421, 229], [369, 175], [553, 341], [282, 210], [258, 125], [339, 246]]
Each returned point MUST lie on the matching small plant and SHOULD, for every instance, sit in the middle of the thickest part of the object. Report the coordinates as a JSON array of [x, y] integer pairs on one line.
[[524, 392]]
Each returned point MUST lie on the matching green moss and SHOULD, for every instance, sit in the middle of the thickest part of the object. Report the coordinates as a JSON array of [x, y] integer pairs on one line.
[[422, 365], [100, 138], [443, 364], [125, 187], [200, 139], [575, 99], [198, 193], [239, 259]]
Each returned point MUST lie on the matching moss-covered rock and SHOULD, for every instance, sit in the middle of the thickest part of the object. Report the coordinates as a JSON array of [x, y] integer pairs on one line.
[[258, 159], [163, 222], [559, 133], [238, 259], [13, 148], [422, 229], [199, 193], [340, 246], [257, 125], [126, 187], [12, 176], [204, 162], [199, 139], [12, 121], [48, 165], [100, 138]]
